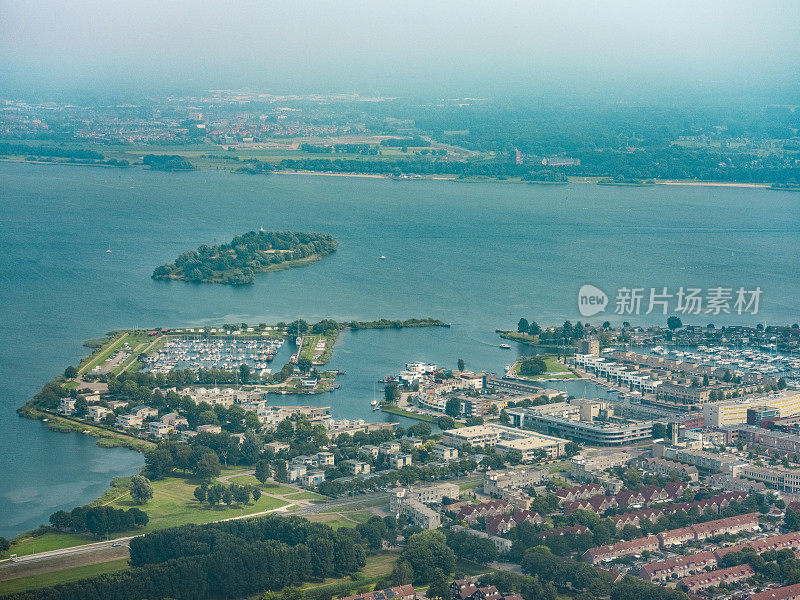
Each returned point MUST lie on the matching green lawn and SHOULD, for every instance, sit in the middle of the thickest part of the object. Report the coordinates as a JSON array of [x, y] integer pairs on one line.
[[276, 489], [47, 579], [304, 496], [173, 504], [378, 565], [44, 543], [555, 370], [469, 485], [361, 516]]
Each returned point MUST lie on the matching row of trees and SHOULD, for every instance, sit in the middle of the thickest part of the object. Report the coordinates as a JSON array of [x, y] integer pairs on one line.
[[98, 520], [229, 494]]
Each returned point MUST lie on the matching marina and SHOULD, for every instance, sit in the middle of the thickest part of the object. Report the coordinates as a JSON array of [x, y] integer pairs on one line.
[[739, 360], [217, 353]]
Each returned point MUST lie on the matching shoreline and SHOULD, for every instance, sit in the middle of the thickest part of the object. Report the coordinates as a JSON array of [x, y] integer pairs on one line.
[[438, 177]]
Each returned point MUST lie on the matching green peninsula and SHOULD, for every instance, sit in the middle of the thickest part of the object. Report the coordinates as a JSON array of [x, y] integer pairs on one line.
[[237, 262]]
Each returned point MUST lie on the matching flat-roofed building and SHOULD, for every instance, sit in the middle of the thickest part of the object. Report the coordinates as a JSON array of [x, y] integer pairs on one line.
[[533, 447], [499, 483], [442, 452], [778, 478], [599, 432], [734, 412], [477, 435]]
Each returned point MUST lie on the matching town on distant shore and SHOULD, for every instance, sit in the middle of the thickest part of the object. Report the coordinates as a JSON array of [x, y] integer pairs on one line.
[[464, 139]]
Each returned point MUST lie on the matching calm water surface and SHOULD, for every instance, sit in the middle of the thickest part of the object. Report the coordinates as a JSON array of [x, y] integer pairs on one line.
[[476, 255]]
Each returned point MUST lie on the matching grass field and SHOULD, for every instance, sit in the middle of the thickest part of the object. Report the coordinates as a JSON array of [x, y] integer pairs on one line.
[[555, 370], [378, 566], [44, 543], [40, 580], [342, 519], [173, 504], [304, 496], [309, 347]]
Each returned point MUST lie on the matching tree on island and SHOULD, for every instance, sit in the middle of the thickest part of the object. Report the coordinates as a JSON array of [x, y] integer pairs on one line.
[[460, 364], [534, 329], [522, 326], [304, 364], [237, 262], [141, 489]]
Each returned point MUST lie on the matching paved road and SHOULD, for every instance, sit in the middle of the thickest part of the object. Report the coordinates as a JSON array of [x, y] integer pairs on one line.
[[82, 549]]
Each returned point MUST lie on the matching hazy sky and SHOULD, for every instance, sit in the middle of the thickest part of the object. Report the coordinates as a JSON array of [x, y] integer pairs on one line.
[[456, 47]]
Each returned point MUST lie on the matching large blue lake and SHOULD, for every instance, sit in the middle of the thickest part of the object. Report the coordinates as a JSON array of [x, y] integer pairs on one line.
[[476, 255]]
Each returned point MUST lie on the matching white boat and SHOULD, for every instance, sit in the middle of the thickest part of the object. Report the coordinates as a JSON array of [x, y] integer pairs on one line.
[[505, 346], [383, 257]]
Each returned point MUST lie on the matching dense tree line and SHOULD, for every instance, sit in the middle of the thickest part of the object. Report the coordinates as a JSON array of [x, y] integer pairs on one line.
[[98, 520], [230, 559], [237, 262], [51, 151], [167, 162], [545, 176]]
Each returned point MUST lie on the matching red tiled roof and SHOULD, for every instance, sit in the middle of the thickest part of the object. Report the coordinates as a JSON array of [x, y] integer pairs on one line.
[[623, 546], [720, 575], [783, 593], [395, 592], [701, 559]]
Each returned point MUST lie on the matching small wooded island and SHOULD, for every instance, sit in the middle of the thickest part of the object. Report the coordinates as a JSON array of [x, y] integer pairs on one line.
[[237, 262]]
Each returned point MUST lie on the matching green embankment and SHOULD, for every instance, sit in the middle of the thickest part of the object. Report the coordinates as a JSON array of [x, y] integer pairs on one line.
[[41, 580]]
